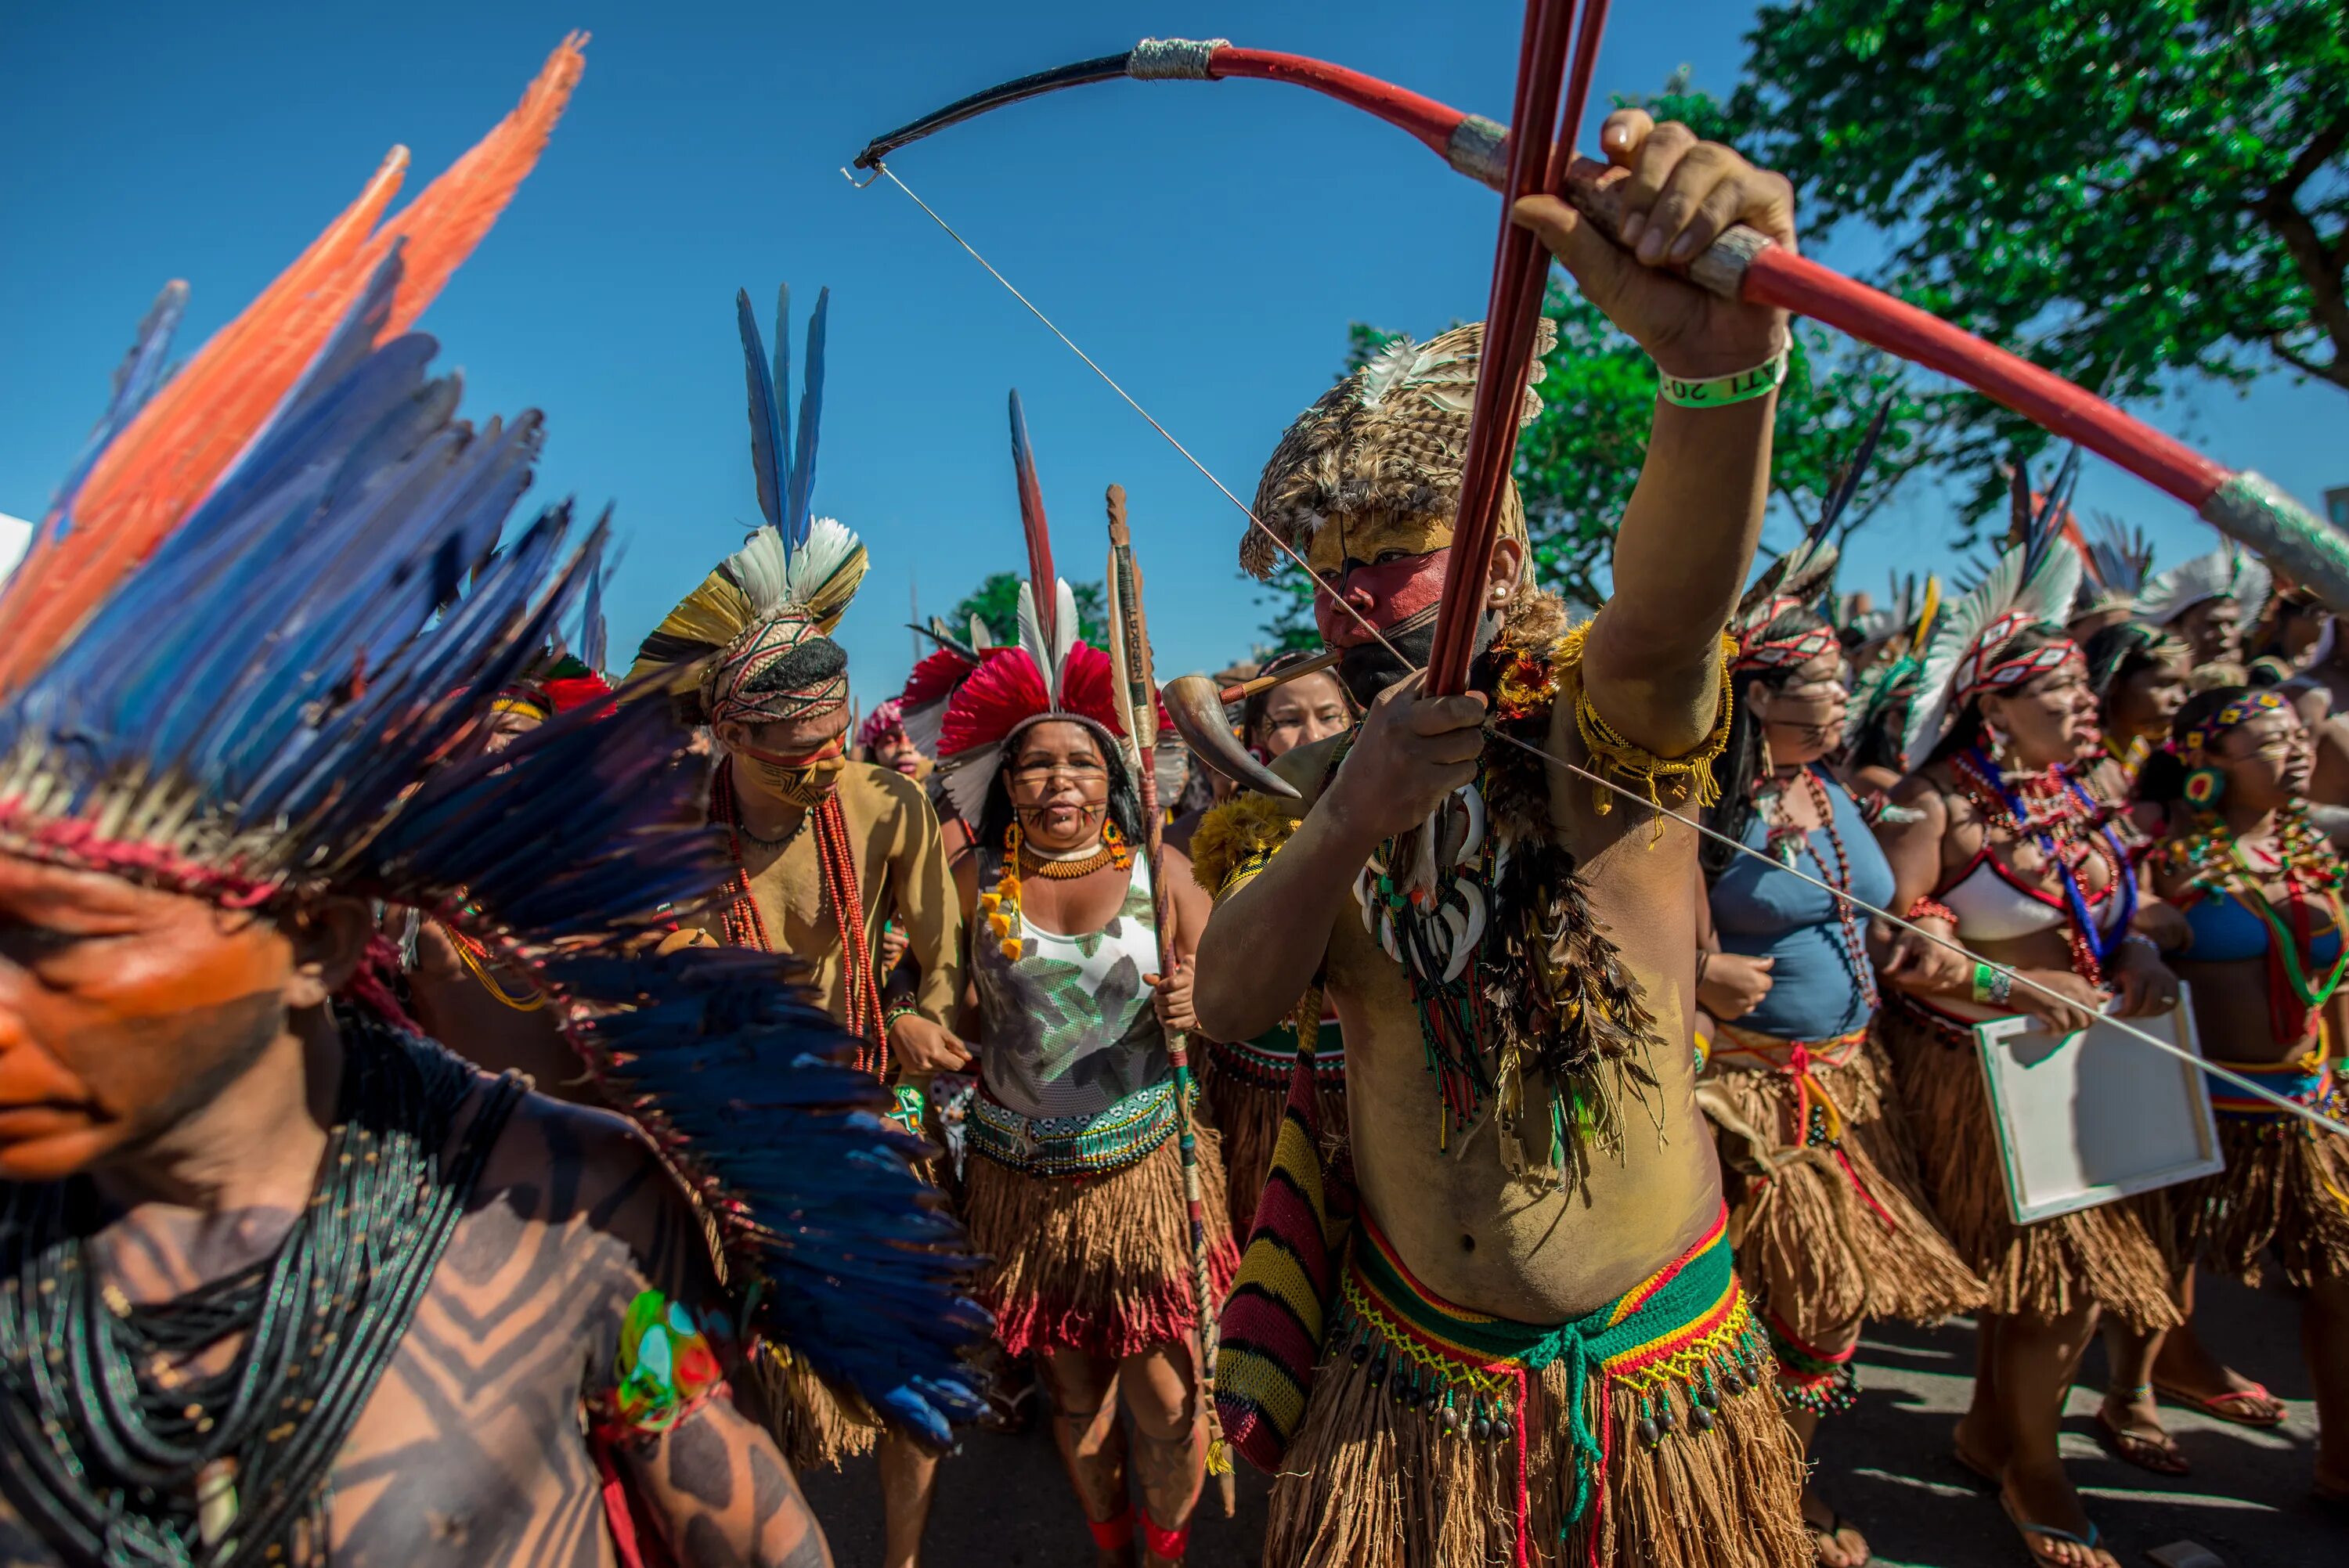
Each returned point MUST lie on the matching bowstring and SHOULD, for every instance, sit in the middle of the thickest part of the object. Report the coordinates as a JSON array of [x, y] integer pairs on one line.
[[2013, 976]]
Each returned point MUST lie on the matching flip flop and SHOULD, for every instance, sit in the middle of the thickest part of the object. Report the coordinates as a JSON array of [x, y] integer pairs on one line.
[[2155, 1451], [1831, 1531], [2216, 1406], [2034, 1534]]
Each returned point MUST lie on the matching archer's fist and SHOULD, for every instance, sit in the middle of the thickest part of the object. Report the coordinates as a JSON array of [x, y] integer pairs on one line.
[[1678, 194], [1412, 753]]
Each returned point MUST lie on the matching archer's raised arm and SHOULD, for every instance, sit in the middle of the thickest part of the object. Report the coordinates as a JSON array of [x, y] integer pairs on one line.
[[1652, 668]]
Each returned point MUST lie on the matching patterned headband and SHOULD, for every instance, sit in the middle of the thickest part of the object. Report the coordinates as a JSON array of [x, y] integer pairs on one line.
[[2198, 740], [1976, 676], [725, 685], [1757, 651]]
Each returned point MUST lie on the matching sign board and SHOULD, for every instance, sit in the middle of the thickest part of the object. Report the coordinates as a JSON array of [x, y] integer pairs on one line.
[[2088, 1118]]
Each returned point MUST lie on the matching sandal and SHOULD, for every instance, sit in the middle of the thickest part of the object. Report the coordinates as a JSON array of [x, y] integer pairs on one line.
[[2032, 1534], [2156, 1450], [1833, 1531], [2217, 1406]]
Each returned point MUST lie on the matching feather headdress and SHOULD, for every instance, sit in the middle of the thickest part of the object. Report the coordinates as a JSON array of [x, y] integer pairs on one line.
[[793, 579], [1388, 439], [1801, 575], [2226, 572], [282, 695], [2118, 559], [1886, 686], [922, 706], [2031, 585]]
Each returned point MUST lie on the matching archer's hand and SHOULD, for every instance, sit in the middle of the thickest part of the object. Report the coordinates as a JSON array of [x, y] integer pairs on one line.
[[1680, 194], [926, 1047], [1412, 753]]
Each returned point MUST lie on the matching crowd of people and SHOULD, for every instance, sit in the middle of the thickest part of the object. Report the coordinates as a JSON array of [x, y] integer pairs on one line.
[[460, 1105]]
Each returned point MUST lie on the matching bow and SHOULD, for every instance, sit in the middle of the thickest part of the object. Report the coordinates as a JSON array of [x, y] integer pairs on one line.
[[1741, 264]]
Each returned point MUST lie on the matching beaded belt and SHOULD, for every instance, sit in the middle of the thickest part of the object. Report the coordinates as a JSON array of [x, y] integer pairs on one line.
[[1267, 1061], [1092, 1145], [2307, 1081], [1686, 1328]]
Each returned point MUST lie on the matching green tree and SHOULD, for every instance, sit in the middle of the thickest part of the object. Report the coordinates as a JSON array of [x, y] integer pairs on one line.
[[2122, 193], [996, 603], [1577, 463]]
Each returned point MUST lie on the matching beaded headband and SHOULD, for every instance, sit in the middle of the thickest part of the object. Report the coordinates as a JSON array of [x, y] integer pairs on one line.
[[1976, 676], [2197, 742], [1756, 651]]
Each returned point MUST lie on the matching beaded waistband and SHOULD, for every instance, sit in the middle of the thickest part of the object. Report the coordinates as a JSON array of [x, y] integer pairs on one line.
[[1095, 1145], [1267, 1061], [2307, 1081], [1685, 1328]]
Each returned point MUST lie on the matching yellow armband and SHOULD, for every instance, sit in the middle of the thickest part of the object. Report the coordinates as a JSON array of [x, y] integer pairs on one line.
[[1690, 776]]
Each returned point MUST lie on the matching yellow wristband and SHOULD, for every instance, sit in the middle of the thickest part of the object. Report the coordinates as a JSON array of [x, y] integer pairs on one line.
[[1720, 391]]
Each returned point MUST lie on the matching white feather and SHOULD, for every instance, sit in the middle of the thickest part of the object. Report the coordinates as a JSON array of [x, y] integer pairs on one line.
[[2046, 598], [762, 567], [1031, 638], [967, 777], [830, 548], [1064, 633]]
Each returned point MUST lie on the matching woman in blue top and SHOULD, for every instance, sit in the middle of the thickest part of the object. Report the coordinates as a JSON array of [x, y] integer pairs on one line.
[[2262, 892], [1835, 1230]]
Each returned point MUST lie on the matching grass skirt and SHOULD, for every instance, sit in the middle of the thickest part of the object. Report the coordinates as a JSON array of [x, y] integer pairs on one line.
[[1246, 1091], [2106, 1256], [2285, 1192], [1097, 1264], [1414, 1456], [816, 1426]]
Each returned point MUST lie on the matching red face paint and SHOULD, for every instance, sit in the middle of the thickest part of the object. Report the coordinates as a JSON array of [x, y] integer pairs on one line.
[[1385, 595]]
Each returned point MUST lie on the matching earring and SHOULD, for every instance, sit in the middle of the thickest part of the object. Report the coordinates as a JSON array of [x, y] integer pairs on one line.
[[2203, 788], [1996, 737]]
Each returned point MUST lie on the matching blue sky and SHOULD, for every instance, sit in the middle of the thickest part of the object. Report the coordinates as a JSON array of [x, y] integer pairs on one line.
[[1208, 244]]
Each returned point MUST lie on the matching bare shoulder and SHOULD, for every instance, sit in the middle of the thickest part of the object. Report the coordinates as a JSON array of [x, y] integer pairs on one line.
[[899, 794], [595, 1172]]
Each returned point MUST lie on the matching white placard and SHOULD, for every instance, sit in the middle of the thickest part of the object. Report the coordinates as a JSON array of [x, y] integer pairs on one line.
[[2087, 1118]]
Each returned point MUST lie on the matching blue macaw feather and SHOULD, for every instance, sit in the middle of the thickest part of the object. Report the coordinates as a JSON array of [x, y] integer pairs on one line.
[[1848, 486], [313, 652], [135, 381], [770, 454], [592, 630], [2048, 525], [811, 414], [783, 405]]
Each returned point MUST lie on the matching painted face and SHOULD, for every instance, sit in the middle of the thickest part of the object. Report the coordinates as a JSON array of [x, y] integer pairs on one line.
[[2214, 630], [122, 1011], [1804, 717], [1309, 708], [2268, 760], [2049, 719], [792, 757], [1059, 782]]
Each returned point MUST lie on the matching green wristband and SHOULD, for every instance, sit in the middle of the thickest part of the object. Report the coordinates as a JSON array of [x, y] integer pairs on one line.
[[1720, 391], [1984, 978]]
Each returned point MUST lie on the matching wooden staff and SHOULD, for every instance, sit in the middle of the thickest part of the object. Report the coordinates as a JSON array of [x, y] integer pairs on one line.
[[1137, 705]]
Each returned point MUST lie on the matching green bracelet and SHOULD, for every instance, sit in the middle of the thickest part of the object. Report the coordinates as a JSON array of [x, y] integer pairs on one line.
[[1983, 976], [1720, 391]]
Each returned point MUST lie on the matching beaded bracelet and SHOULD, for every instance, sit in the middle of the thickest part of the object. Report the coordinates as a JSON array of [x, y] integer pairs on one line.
[[1722, 391], [1931, 909], [902, 1010], [1993, 985]]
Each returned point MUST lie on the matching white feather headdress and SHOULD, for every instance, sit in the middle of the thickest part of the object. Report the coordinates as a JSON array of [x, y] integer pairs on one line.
[[2032, 584], [2226, 572]]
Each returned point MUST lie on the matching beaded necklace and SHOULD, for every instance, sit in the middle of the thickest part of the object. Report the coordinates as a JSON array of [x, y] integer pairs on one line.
[[1001, 904], [1837, 876], [836, 862], [2307, 865], [121, 1461], [2068, 826]]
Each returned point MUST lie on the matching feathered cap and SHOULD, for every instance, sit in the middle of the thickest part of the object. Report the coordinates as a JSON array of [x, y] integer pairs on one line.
[[254, 657], [1882, 694], [2031, 585], [754, 642], [922, 706], [1388, 440], [1044, 677], [2116, 559], [2226, 572]]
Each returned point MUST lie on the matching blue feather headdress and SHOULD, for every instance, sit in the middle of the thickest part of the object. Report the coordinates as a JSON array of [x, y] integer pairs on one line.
[[799, 567], [286, 700]]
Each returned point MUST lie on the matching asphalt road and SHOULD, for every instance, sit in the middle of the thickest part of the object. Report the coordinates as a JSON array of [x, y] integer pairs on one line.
[[1003, 1502]]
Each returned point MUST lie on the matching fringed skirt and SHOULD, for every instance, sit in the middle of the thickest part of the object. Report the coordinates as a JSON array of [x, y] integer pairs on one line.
[[1834, 1230], [1099, 1262], [1244, 1088], [1643, 1434], [815, 1425], [2285, 1189], [2106, 1256]]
